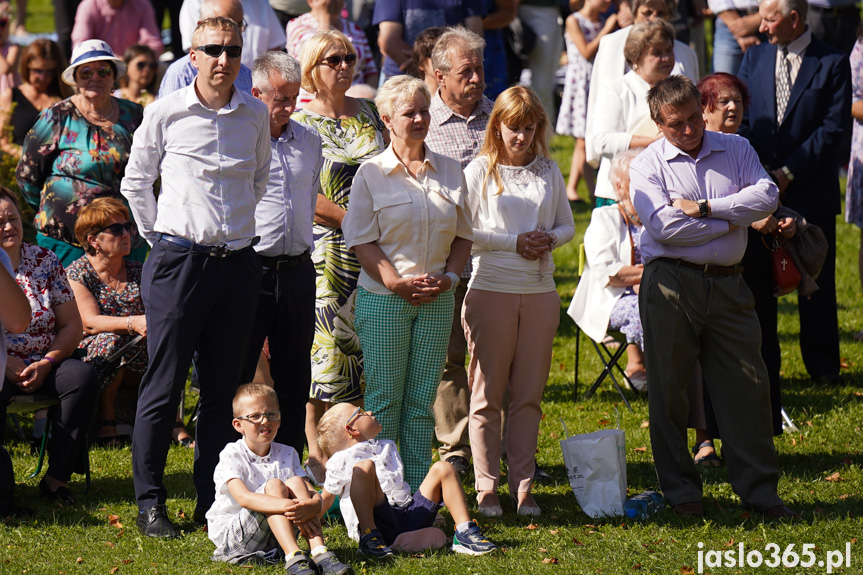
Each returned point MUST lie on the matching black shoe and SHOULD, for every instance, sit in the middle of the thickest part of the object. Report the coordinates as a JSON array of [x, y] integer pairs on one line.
[[154, 522], [460, 464], [539, 473], [61, 494], [200, 516]]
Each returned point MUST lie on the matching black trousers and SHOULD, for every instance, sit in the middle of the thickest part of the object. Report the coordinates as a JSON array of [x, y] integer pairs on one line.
[[64, 20], [286, 315], [77, 386], [193, 302]]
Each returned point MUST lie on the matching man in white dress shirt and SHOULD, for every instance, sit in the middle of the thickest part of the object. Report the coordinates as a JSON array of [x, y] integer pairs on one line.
[[211, 145]]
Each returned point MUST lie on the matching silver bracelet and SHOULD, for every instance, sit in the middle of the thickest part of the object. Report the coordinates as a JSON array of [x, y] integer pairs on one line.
[[129, 324], [454, 279]]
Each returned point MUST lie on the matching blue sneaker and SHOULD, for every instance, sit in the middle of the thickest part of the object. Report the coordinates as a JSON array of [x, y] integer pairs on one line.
[[373, 545], [472, 541]]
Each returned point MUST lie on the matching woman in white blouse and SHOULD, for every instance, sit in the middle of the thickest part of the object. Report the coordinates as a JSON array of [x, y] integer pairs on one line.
[[517, 199], [622, 118], [409, 228]]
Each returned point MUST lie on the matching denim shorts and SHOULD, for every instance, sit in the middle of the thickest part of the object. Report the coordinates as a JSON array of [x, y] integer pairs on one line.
[[417, 514]]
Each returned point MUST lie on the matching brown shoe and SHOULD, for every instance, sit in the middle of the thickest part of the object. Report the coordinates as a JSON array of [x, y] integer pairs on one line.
[[781, 512], [691, 509]]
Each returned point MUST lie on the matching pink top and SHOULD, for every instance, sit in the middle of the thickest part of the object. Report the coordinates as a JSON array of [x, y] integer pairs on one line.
[[132, 23], [304, 27]]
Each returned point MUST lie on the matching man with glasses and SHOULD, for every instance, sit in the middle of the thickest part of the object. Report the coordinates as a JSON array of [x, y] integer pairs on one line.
[[209, 142], [284, 217], [183, 72]]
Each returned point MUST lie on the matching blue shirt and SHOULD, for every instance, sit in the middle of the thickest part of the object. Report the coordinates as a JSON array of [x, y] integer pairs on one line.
[[417, 15], [284, 216], [182, 73]]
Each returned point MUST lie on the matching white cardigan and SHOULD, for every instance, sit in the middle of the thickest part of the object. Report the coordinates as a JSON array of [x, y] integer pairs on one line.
[[610, 64], [607, 250]]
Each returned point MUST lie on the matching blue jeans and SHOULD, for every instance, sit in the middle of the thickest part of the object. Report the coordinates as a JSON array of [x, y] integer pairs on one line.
[[727, 54]]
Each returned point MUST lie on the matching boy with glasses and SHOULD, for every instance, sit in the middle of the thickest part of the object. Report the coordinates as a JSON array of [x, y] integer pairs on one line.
[[262, 494]]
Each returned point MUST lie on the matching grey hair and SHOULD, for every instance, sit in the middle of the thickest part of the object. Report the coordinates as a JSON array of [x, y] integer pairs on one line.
[[281, 62], [643, 36], [400, 88], [452, 38], [619, 171], [788, 6]]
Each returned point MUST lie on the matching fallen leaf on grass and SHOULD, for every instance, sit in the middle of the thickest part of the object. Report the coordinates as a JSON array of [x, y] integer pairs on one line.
[[844, 496], [809, 423], [532, 526], [562, 367], [603, 422], [109, 544], [637, 566], [554, 531], [114, 521], [844, 363], [127, 561], [79, 560], [853, 540], [686, 570], [730, 543], [113, 570], [640, 449], [577, 542], [550, 560], [543, 550], [793, 441], [833, 477]]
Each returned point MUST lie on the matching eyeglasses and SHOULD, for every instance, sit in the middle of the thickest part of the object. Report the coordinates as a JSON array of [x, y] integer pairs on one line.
[[355, 416], [117, 230], [103, 71], [259, 417], [43, 72], [215, 50], [335, 61], [150, 65]]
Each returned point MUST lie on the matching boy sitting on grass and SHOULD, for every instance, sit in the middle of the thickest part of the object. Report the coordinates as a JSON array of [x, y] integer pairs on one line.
[[262, 494], [375, 499]]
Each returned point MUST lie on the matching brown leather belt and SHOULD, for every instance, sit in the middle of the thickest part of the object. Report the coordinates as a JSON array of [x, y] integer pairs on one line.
[[708, 269]]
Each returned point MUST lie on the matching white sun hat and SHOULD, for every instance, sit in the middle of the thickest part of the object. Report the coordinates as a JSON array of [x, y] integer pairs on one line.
[[91, 51]]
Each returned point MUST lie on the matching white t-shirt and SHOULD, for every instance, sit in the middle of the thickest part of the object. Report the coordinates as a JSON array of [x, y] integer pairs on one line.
[[238, 461], [389, 469]]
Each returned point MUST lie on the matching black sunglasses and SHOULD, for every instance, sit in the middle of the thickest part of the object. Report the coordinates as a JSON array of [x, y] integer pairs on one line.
[[118, 229], [336, 61], [102, 71], [215, 50], [150, 65]]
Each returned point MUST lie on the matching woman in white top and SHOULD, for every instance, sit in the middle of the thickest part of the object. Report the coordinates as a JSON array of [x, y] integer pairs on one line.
[[622, 118], [408, 226], [517, 199]]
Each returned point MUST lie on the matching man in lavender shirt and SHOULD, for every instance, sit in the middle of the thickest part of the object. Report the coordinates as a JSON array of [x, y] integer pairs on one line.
[[696, 193]]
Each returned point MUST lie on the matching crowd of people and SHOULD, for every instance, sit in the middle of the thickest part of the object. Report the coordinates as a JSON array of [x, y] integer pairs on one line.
[[326, 209]]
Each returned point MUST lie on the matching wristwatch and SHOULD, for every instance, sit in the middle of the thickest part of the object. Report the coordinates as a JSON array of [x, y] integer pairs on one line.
[[787, 173], [703, 208]]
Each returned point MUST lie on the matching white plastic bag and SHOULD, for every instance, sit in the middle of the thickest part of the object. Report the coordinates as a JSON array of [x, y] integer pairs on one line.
[[596, 468]]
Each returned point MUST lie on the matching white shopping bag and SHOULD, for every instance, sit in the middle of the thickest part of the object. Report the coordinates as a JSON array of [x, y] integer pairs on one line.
[[596, 468]]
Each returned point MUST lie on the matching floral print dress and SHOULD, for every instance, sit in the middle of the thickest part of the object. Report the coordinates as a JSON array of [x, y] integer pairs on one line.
[[854, 187], [67, 162], [337, 361], [124, 303]]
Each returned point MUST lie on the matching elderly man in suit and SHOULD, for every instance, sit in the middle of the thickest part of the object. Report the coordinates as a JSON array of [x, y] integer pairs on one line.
[[798, 120]]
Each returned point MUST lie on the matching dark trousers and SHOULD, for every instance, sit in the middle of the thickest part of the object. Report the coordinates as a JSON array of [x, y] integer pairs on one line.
[[286, 315], [173, 9], [193, 302], [64, 20], [689, 316], [838, 29], [76, 385]]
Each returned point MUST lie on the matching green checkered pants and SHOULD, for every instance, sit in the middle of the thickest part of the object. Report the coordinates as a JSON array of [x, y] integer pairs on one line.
[[404, 351]]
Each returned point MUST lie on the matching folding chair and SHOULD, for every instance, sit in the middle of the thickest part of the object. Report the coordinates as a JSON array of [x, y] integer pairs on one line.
[[608, 356], [31, 403]]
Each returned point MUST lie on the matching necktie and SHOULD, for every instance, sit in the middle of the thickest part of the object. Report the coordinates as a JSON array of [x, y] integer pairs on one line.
[[783, 85]]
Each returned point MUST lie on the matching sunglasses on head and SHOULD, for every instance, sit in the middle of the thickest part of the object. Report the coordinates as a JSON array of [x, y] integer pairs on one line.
[[336, 61], [150, 65], [215, 50], [118, 229], [87, 73]]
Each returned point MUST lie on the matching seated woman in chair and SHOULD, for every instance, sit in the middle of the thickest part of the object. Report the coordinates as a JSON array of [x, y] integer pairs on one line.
[[607, 293], [107, 288], [38, 359]]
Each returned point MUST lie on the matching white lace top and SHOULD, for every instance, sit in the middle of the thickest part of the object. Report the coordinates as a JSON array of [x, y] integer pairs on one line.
[[388, 467], [533, 197]]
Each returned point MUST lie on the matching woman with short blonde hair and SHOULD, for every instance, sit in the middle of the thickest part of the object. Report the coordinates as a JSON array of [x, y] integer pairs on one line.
[[517, 200]]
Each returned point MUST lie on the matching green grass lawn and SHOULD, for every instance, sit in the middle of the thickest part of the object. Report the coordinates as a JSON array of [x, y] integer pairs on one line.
[[821, 476]]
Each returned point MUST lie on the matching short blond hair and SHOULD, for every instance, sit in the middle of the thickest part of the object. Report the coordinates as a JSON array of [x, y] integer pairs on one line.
[[217, 24], [397, 89], [253, 391], [312, 52], [332, 436]]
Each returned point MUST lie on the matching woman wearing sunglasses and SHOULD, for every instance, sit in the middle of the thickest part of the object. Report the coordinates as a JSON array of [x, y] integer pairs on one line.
[[40, 66], [78, 149], [107, 288], [351, 132], [38, 359], [138, 84]]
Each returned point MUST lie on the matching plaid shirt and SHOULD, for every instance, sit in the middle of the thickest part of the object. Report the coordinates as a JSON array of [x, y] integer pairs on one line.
[[457, 137]]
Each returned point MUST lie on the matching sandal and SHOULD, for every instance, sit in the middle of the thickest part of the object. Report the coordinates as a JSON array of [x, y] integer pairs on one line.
[[187, 441], [113, 440], [709, 460]]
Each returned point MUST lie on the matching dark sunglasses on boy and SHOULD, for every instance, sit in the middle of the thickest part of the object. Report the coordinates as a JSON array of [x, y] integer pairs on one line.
[[215, 50]]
